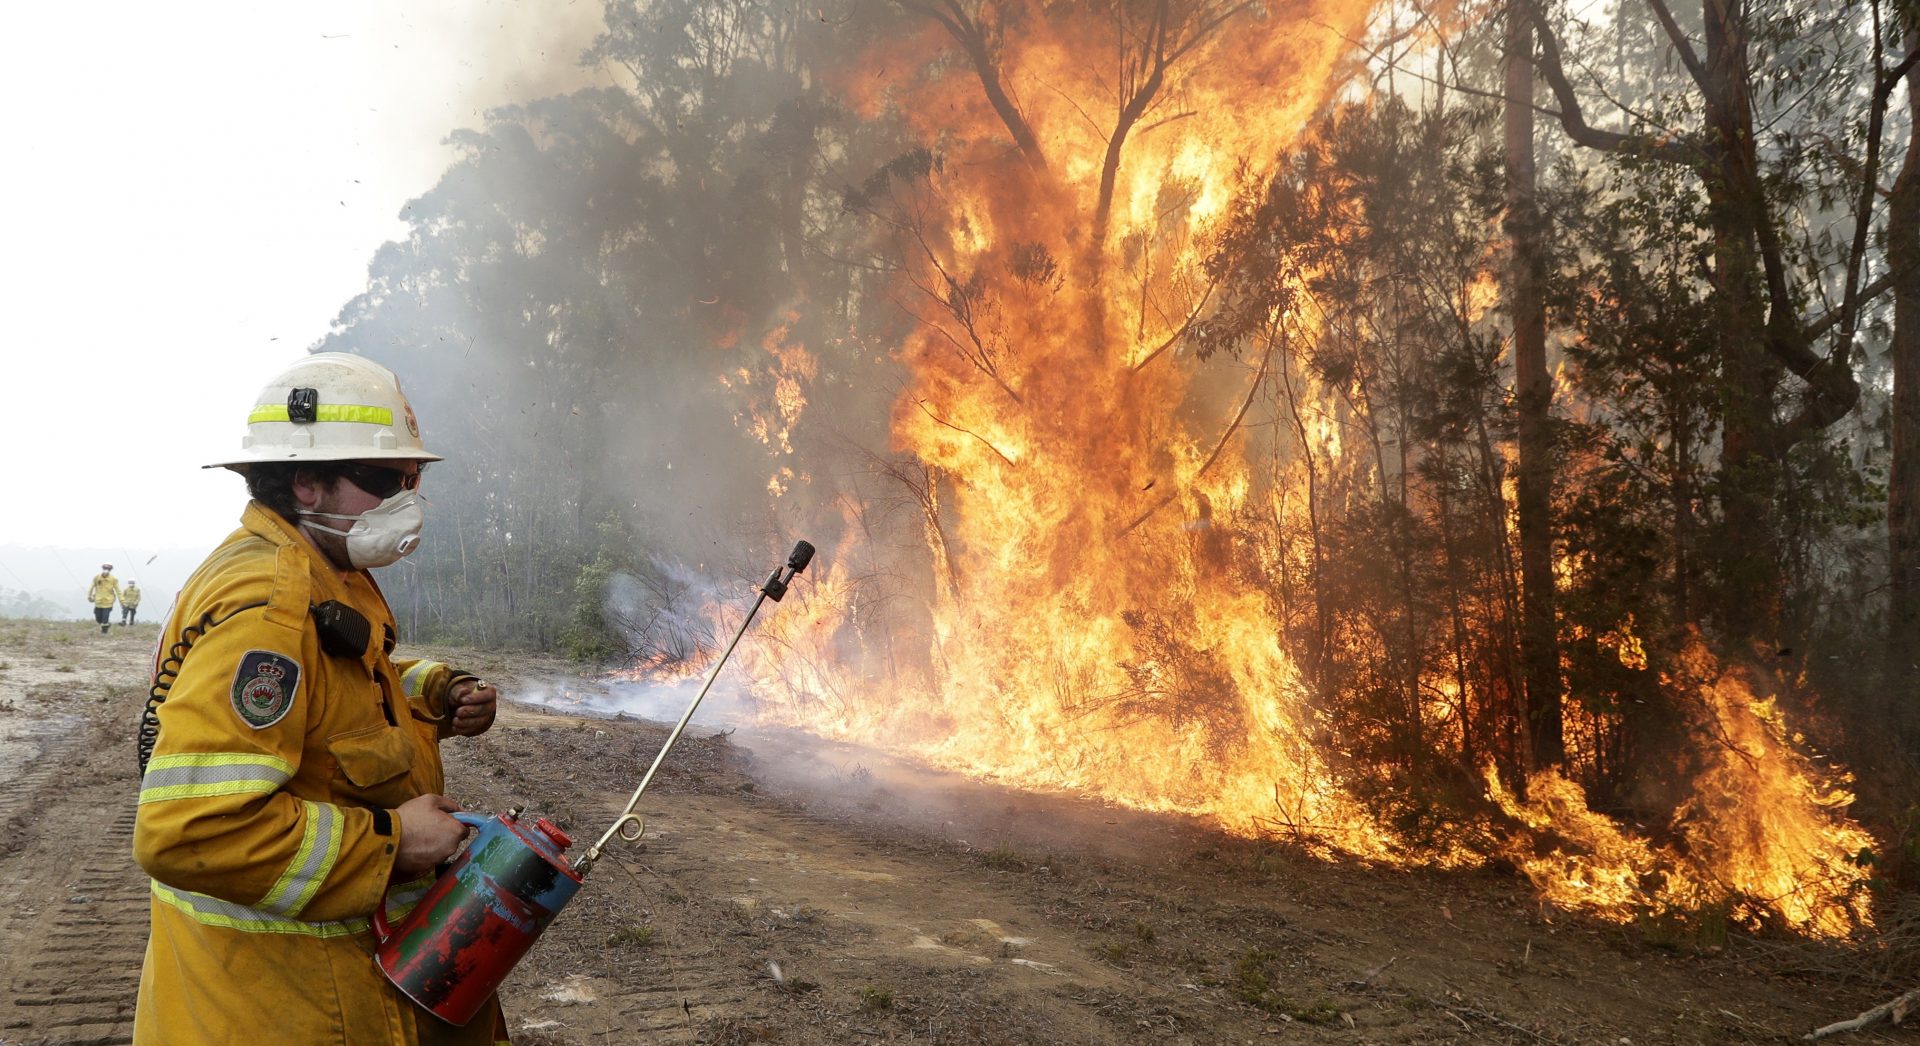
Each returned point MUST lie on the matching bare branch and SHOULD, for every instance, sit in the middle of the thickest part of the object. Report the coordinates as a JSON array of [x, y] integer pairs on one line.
[[1896, 1008], [1574, 122], [973, 39], [922, 404], [1178, 334], [1232, 427], [1680, 41]]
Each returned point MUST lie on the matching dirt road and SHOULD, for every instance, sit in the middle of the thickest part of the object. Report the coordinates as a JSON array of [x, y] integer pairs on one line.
[[793, 892]]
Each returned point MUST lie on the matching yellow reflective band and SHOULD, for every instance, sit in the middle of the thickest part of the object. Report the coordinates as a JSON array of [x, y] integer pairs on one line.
[[359, 412], [410, 680], [212, 911], [319, 849], [402, 899], [196, 775]]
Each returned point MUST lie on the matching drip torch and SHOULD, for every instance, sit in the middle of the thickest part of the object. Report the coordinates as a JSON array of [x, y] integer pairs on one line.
[[459, 942]]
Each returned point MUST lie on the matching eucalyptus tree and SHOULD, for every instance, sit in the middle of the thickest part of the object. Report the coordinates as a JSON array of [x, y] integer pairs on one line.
[[578, 291], [1532, 393], [1746, 120], [1902, 676]]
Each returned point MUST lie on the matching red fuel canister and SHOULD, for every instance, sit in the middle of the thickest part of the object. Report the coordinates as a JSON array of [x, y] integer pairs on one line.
[[484, 912]]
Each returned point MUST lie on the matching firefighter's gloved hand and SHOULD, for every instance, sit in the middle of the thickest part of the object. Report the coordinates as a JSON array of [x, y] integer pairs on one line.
[[472, 701], [427, 835]]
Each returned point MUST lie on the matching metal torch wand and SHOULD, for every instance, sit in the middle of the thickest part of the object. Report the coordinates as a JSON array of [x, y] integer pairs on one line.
[[630, 825]]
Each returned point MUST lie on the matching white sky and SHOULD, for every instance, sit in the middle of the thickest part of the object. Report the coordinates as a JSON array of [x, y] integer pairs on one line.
[[192, 191]]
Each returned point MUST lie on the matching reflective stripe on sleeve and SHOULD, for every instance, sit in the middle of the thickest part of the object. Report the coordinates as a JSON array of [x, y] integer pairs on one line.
[[410, 681], [319, 849], [195, 775], [359, 412]]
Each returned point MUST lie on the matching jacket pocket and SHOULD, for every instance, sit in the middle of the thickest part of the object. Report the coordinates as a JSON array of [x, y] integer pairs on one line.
[[374, 762]]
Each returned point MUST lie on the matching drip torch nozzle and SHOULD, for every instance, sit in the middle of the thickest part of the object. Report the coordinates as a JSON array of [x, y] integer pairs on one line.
[[776, 585]]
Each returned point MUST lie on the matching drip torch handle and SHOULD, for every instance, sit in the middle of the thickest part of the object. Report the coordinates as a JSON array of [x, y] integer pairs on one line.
[[775, 587]]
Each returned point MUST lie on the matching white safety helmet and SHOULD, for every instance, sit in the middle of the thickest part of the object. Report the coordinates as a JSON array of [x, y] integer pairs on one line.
[[330, 406]]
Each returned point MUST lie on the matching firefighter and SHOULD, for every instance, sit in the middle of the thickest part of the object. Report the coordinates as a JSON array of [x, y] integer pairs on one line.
[[291, 765], [129, 601], [104, 592]]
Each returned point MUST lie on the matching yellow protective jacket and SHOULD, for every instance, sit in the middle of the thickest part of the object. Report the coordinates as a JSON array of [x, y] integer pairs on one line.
[[266, 815], [104, 590], [130, 596]]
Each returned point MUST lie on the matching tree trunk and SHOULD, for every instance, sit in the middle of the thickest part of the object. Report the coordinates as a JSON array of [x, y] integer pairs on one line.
[[1533, 395], [1750, 584], [1901, 691]]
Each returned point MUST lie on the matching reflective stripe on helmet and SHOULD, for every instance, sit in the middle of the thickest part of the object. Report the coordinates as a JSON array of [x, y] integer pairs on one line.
[[359, 412], [348, 407]]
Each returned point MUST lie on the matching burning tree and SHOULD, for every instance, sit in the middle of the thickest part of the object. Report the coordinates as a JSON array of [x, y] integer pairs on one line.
[[1052, 228], [1151, 367], [1336, 605]]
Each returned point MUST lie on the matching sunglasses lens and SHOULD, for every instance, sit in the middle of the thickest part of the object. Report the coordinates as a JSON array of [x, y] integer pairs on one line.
[[381, 483]]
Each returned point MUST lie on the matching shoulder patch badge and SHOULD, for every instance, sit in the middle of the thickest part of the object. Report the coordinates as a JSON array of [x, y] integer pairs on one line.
[[264, 686]]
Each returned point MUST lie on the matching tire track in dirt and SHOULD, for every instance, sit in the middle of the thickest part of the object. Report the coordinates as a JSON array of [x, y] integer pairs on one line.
[[73, 905]]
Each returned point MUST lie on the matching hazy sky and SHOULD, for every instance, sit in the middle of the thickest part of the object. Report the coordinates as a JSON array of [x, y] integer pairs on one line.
[[193, 190]]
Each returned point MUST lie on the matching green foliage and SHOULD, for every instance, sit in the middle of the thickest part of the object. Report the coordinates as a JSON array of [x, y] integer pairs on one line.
[[1896, 867], [1255, 980], [1004, 858], [1116, 952], [18, 603], [875, 1000], [1381, 226], [589, 637], [631, 937], [1702, 930], [590, 285]]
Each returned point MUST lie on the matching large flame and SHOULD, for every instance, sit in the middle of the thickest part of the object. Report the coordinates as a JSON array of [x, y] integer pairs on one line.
[[1761, 835], [1087, 633], [1089, 504]]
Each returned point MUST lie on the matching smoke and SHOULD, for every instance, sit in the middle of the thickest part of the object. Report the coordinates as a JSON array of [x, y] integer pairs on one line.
[[468, 57], [853, 783], [619, 317], [724, 708], [862, 785]]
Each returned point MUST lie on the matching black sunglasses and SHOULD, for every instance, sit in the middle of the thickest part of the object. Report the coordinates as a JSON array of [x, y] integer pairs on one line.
[[382, 483]]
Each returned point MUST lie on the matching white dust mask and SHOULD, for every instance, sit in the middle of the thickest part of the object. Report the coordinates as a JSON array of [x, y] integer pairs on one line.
[[381, 534]]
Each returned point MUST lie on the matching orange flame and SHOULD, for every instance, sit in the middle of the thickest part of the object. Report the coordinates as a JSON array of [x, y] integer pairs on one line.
[[1762, 835], [1090, 508]]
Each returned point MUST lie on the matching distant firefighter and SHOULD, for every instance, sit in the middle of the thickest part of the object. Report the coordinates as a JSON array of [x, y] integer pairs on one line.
[[104, 592], [129, 601]]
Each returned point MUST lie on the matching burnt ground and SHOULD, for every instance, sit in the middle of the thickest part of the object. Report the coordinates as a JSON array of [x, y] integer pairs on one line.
[[788, 891]]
